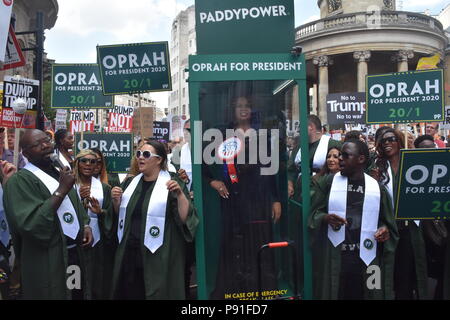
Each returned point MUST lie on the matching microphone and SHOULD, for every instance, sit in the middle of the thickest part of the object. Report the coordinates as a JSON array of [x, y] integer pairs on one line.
[[57, 162]]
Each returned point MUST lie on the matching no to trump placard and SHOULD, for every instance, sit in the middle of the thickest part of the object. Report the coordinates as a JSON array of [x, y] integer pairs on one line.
[[139, 67], [346, 108], [424, 184], [78, 86], [413, 96]]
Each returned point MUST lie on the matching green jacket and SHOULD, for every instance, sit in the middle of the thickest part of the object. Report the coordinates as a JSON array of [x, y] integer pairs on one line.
[[327, 258], [38, 238], [164, 269]]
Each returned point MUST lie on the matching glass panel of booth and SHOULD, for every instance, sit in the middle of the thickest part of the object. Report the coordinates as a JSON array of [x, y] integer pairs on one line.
[[248, 131]]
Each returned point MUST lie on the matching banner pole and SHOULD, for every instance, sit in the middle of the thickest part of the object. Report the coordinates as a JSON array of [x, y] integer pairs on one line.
[[406, 135], [140, 117]]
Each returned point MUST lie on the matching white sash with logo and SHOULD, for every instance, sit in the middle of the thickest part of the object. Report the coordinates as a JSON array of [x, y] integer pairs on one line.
[[320, 156], [66, 212], [390, 189], [186, 163], [4, 229], [156, 211], [97, 193], [337, 204]]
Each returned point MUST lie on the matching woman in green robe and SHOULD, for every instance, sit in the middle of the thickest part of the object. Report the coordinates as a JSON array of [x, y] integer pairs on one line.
[[410, 276], [150, 258], [96, 197]]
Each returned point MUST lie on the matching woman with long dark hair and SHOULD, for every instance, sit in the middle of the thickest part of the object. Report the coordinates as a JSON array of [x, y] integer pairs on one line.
[[410, 274], [64, 146], [155, 219]]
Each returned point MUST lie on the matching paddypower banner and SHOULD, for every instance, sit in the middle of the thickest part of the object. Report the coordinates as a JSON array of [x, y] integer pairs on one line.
[[138, 67], [117, 148], [424, 184], [244, 26], [78, 86], [413, 96]]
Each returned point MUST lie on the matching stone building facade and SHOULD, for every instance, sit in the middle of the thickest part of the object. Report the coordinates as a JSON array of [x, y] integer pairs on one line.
[[355, 38]]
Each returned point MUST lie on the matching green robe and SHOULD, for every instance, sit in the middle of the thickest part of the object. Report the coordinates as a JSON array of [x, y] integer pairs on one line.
[[446, 288], [327, 258], [39, 241], [164, 269], [101, 256], [418, 247]]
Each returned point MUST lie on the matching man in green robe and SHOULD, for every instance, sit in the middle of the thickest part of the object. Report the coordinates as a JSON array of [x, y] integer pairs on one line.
[[335, 266], [45, 252], [163, 270]]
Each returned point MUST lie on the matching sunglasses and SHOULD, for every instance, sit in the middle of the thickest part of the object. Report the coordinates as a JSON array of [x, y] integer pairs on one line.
[[389, 139], [87, 160], [146, 154]]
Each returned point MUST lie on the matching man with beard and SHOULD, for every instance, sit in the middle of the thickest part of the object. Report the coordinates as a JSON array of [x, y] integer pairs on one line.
[[352, 229], [49, 226]]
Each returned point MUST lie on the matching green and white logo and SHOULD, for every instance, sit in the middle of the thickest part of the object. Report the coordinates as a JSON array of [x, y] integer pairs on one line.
[[68, 218], [368, 244], [154, 232]]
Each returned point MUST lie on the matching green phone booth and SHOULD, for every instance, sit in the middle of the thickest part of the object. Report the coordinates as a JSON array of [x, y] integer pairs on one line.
[[241, 105]]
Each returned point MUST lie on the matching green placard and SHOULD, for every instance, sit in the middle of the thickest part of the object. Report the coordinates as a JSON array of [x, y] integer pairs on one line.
[[413, 96], [78, 86], [246, 67], [244, 26], [138, 67], [117, 148], [424, 184]]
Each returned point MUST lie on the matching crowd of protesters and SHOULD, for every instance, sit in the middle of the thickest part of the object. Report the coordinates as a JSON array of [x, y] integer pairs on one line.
[[131, 236]]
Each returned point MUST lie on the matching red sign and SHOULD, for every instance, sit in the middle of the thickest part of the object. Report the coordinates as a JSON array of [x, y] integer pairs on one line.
[[121, 119], [14, 57], [8, 2]]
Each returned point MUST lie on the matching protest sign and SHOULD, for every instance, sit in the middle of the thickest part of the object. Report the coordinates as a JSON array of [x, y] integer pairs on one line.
[[143, 116], [13, 89], [14, 57], [120, 119], [82, 121], [346, 108], [446, 122], [424, 184], [5, 17], [413, 96], [176, 126], [117, 148], [138, 67], [78, 86], [60, 119], [161, 130]]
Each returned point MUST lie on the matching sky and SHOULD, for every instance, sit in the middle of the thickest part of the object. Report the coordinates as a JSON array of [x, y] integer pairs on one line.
[[84, 24]]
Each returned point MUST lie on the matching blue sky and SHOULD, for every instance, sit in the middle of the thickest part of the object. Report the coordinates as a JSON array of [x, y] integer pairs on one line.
[[82, 24]]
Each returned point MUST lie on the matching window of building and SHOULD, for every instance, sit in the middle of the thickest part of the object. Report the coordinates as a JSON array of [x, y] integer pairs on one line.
[[184, 109]]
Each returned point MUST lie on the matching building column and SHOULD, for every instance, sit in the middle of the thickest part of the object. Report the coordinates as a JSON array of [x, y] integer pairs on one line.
[[402, 58], [323, 62], [362, 57]]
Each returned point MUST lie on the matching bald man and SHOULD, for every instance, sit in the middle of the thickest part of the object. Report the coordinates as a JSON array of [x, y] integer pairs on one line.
[[49, 225]]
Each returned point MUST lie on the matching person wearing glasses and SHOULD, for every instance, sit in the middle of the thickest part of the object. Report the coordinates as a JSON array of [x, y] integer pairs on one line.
[[48, 224], [352, 231], [96, 199], [155, 219], [410, 276], [432, 129]]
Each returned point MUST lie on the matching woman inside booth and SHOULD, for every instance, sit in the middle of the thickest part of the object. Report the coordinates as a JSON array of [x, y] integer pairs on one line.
[[250, 204]]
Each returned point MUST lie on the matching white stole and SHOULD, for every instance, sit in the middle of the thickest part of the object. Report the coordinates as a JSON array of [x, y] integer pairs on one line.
[[320, 156], [97, 193], [62, 158], [337, 204], [4, 229], [390, 189], [186, 163], [66, 212], [170, 166], [156, 211]]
